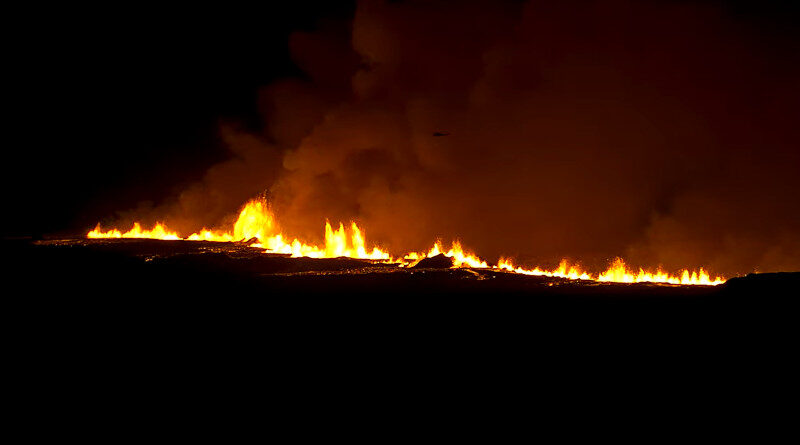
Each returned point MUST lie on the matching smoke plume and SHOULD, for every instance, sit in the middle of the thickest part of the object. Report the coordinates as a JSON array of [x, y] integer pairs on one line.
[[664, 132]]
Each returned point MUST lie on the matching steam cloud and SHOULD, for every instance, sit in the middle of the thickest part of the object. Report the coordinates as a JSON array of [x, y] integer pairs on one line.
[[660, 131]]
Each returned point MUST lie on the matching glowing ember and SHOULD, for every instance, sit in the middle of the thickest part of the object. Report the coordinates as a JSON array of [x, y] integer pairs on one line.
[[619, 273], [564, 270], [460, 258], [160, 231], [257, 224]]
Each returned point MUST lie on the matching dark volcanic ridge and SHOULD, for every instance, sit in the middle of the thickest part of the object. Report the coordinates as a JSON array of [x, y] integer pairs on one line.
[[108, 291], [158, 266]]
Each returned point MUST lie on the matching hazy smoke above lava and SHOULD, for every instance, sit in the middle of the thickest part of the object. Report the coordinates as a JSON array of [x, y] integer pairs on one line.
[[660, 131]]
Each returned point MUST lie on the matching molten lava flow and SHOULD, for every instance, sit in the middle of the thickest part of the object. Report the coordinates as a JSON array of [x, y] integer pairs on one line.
[[564, 270], [160, 231], [258, 226], [456, 252], [619, 273], [255, 221], [337, 244]]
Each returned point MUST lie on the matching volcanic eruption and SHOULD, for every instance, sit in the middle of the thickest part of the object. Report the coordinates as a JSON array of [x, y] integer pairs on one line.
[[257, 226], [604, 141], [445, 199]]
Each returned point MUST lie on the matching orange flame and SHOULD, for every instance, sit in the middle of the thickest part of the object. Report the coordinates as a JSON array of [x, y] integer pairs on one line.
[[619, 273], [160, 231], [564, 270], [456, 252], [257, 222]]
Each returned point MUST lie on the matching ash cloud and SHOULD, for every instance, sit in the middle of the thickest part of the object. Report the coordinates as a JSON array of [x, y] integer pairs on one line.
[[664, 132]]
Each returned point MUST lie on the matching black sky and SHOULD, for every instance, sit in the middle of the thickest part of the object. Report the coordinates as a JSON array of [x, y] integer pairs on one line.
[[108, 107]]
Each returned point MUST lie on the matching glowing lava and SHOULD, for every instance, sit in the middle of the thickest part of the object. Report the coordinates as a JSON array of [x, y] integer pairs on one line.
[[258, 226], [160, 231], [564, 270], [619, 273]]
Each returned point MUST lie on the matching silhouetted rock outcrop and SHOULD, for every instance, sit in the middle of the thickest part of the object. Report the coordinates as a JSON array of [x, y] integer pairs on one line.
[[438, 262]]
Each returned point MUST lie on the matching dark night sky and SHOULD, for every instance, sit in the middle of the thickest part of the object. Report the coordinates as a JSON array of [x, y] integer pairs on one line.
[[116, 106], [124, 110]]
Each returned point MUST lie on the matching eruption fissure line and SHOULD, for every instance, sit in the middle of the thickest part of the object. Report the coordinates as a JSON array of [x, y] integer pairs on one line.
[[257, 225]]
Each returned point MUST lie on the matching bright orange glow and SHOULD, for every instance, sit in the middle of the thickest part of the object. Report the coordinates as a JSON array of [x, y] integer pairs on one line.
[[160, 231], [258, 226], [564, 270], [456, 252], [619, 273]]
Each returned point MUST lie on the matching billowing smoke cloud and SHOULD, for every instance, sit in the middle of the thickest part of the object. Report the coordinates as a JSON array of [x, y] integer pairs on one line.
[[660, 131]]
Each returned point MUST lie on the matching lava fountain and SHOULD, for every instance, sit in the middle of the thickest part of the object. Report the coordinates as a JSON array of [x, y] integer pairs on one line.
[[258, 227]]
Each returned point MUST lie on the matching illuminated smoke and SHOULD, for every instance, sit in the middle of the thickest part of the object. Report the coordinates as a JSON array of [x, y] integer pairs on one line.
[[658, 131]]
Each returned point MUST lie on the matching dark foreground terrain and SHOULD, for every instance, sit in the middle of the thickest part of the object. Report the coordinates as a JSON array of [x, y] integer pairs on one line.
[[134, 320], [102, 280]]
